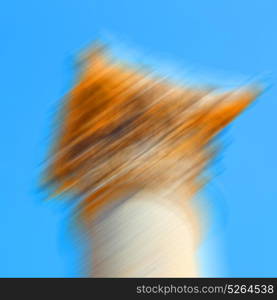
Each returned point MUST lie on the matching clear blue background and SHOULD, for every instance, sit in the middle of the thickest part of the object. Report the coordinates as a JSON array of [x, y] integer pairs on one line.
[[38, 42]]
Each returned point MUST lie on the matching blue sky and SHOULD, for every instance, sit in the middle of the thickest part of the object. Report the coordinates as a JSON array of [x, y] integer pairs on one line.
[[220, 39]]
